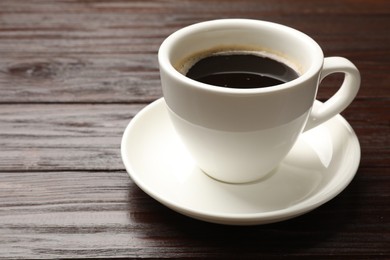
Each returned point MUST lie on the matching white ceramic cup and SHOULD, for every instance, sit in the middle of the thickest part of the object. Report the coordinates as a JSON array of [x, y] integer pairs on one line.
[[241, 135]]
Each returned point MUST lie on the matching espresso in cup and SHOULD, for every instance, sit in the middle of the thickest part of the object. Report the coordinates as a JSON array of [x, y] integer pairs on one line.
[[242, 69]]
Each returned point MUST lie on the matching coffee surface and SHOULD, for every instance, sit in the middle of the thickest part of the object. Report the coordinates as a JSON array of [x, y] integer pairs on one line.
[[241, 70]]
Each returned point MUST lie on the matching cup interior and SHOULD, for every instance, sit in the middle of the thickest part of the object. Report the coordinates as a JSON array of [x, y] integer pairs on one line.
[[283, 43]]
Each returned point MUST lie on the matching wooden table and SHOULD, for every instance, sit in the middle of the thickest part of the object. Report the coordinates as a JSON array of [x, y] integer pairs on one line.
[[74, 73]]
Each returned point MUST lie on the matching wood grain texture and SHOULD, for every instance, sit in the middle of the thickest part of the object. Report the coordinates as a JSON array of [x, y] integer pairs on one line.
[[87, 136], [102, 51], [101, 214], [63, 137], [73, 73]]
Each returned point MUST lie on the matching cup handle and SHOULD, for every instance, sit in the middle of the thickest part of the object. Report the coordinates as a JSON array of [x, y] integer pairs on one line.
[[342, 98]]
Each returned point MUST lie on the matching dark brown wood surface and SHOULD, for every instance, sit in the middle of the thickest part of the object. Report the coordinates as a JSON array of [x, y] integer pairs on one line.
[[72, 75]]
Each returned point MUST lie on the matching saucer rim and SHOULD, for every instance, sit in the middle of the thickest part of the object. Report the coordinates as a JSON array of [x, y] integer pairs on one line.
[[304, 206]]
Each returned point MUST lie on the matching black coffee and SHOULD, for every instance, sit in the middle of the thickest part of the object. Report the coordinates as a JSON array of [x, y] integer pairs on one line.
[[241, 70]]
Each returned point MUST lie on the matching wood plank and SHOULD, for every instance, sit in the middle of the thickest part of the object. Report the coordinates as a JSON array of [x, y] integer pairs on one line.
[[87, 136], [96, 51], [103, 214], [57, 137]]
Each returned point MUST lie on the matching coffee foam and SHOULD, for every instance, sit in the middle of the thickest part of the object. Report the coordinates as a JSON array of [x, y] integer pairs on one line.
[[184, 65]]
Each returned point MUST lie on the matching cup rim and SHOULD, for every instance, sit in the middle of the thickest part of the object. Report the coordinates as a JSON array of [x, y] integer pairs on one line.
[[166, 47]]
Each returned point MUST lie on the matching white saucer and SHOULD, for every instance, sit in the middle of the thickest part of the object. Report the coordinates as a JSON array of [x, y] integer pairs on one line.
[[321, 164]]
